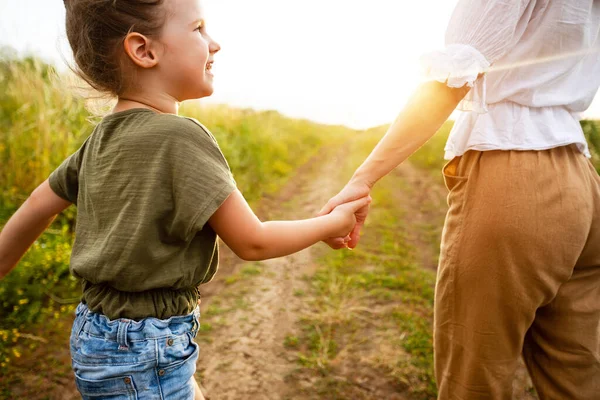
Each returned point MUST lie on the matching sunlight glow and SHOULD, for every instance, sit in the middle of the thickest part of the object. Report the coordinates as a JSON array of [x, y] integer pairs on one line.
[[341, 62], [542, 60]]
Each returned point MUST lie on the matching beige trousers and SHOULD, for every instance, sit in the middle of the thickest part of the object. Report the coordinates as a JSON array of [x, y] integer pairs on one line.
[[519, 275]]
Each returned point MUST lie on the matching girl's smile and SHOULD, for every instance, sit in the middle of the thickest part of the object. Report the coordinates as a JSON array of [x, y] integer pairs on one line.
[[208, 68]]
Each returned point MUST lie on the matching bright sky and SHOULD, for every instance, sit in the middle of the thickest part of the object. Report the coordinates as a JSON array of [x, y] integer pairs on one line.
[[345, 62]]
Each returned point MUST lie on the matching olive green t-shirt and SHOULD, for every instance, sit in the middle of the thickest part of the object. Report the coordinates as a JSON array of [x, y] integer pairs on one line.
[[145, 185]]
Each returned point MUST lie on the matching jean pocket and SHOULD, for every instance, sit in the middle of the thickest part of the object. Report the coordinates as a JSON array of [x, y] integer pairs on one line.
[[93, 350], [179, 349], [117, 388]]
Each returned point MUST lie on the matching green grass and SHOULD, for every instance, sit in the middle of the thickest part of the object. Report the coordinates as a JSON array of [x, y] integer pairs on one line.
[[592, 134], [291, 342]]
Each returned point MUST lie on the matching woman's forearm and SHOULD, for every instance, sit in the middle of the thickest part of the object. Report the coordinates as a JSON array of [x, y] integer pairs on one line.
[[426, 111]]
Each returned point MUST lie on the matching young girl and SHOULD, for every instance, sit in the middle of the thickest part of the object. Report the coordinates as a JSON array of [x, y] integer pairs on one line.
[[153, 191]]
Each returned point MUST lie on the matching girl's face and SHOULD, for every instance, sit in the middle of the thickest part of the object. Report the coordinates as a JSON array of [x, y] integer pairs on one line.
[[187, 51]]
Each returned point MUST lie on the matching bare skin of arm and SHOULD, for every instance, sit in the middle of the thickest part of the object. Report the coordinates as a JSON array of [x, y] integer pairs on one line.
[[426, 111], [248, 237], [234, 222], [27, 224]]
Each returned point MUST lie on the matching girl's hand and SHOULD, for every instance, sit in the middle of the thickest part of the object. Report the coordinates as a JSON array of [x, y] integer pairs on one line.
[[352, 191], [253, 240], [345, 216]]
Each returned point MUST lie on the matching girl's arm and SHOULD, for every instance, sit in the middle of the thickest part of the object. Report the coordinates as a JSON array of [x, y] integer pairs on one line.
[[27, 224], [426, 111], [249, 238]]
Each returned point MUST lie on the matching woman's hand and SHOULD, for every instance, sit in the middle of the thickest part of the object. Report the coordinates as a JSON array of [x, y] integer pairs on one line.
[[352, 191], [345, 216]]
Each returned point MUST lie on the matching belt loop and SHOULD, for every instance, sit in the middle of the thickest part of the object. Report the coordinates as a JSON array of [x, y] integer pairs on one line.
[[122, 334], [196, 321], [81, 320]]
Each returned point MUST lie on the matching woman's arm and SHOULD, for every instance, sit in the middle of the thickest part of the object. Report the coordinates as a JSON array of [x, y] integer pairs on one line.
[[426, 111], [27, 224], [484, 32], [479, 33], [249, 238]]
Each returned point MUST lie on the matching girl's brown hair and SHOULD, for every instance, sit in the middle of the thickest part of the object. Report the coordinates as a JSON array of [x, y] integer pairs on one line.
[[96, 30]]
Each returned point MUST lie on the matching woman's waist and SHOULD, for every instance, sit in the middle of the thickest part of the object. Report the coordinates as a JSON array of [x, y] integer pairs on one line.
[[519, 122], [534, 109], [513, 126]]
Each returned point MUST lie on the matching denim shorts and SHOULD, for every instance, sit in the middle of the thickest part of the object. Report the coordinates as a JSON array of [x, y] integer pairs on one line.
[[126, 359]]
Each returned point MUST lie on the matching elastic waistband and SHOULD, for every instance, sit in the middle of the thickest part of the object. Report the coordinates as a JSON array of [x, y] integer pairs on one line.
[[159, 303], [124, 330]]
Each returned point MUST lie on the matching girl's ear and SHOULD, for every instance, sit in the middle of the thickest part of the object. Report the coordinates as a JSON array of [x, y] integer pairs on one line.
[[138, 48]]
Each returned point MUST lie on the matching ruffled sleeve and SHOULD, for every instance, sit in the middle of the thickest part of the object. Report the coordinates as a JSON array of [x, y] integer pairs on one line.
[[480, 32]]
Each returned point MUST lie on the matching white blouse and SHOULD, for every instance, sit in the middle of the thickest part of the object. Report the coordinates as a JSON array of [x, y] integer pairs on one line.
[[533, 66]]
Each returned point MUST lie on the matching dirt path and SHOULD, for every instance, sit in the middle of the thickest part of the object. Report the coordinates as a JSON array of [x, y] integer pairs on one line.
[[247, 358]]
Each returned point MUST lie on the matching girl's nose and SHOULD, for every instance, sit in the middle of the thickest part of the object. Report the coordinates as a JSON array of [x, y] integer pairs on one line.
[[213, 46]]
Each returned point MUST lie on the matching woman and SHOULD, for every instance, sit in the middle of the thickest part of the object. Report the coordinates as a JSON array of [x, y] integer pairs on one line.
[[519, 267]]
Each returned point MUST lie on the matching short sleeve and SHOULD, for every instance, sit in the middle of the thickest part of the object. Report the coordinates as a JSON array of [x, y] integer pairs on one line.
[[480, 32], [201, 177], [64, 180]]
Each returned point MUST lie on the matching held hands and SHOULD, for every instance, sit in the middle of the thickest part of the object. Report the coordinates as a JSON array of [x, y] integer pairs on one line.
[[345, 215], [354, 197]]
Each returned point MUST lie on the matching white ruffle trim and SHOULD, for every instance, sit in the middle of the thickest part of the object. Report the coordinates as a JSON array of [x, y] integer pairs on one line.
[[459, 65]]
